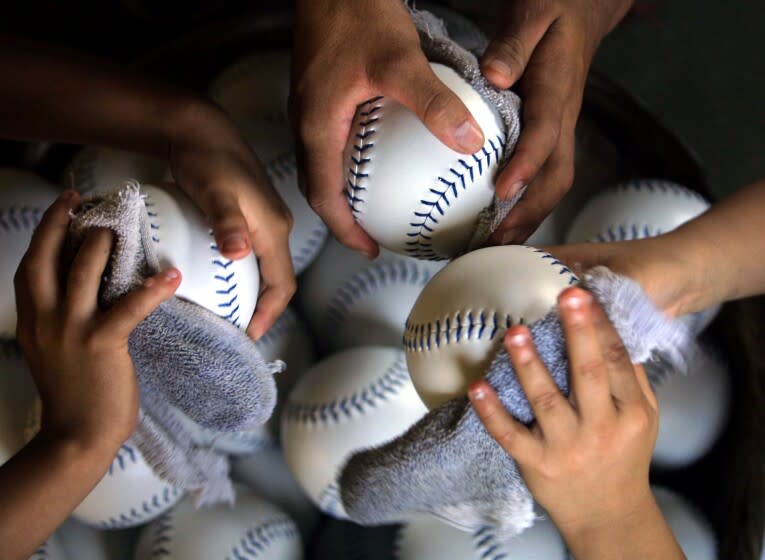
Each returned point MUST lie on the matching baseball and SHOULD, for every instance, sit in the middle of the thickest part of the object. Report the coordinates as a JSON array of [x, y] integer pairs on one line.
[[251, 528], [82, 542], [410, 192], [693, 411], [104, 169], [24, 197], [19, 404], [428, 538], [130, 494], [267, 474], [50, 550], [456, 325], [636, 210], [243, 93], [272, 142], [182, 238], [350, 301], [691, 529], [350, 401]]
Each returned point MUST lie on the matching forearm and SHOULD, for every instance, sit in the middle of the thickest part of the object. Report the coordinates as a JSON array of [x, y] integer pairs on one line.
[[70, 97], [727, 245], [41, 485], [642, 534]]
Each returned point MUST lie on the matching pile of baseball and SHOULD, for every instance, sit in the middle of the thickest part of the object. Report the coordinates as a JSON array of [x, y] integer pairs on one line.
[[370, 346]]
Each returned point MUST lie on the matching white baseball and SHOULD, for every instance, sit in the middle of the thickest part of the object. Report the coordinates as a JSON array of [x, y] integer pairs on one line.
[[255, 87], [51, 550], [19, 403], [692, 531], [267, 474], [250, 529], [129, 494], [350, 401], [82, 542], [350, 301], [456, 325], [104, 169], [272, 142], [693, 411], [428, 538], [410, 192], [23, 198], [182, 238], [636, 210]]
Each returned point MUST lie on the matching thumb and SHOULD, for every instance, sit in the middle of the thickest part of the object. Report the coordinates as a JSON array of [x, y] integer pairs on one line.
[[417, 88]]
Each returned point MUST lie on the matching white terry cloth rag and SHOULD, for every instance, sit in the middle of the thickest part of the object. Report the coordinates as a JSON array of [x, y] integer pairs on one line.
[[184, 356], [440, 48], [449, 466]]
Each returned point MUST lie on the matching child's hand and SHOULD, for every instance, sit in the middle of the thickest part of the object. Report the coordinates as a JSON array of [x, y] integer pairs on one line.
[[213, 164], [78, 354], [586, 458]]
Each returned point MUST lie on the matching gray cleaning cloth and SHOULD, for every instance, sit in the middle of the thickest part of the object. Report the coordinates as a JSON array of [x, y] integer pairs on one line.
[[440, 48], [449, 466], [184, 356]]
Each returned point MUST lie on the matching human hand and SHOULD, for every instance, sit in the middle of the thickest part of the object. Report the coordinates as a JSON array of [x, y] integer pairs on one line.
[[77, 353], [213, 164], [346, 52], [544, 49], [586, 458]]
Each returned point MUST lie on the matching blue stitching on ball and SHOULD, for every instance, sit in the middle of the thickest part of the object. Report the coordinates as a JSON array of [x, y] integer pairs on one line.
[[371, 279], [282, 166], [330, 501], [17, 218], [361, 145], [41, 553], [422, 337], [387, 385], [659, 185], [257, 540], [627, 233], [162, 529], [485, 541], [435, 207], [228, 305], [312, 245], [283, 324]]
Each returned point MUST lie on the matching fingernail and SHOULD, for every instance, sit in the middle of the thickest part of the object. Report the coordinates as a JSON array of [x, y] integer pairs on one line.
[[577, 301], [171, 274], [514, 189], [519, 339], [477, 393], [469, 136], [234, 243], [498, 66]]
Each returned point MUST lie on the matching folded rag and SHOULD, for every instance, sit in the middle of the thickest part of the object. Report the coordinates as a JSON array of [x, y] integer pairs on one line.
[[184, 355], [439, 47], [449, 466]]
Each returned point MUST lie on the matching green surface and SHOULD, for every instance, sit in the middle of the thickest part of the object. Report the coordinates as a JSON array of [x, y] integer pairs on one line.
[[699, 67]]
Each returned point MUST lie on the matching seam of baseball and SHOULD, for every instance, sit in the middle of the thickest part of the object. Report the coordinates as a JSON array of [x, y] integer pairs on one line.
[[330, 501], [18, 218], [163, 528], [487, 545], [626, 232], [453, 329], [358, 163], [425, 222], [653, 185], [388, 384], [374, 277], [259, 538]]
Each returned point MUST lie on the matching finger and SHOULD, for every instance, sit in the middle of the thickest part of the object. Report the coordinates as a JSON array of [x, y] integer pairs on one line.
[[508, 53], [229, 226], [645, 386], [138, 304], [622, 375], [553, 412], [590, 387], [551, 78], [415, 85], [278, 283], [39, 267], [85, 274], [512, 436], [322, 173]]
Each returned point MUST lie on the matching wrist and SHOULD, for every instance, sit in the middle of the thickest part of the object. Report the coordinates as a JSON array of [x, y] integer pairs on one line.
[[78, 448]]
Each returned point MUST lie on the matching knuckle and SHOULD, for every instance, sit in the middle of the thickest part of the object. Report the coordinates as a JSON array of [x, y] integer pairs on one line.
[[511, 50], [616, 353], [439, 105], [592, 370], [546, 401]]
